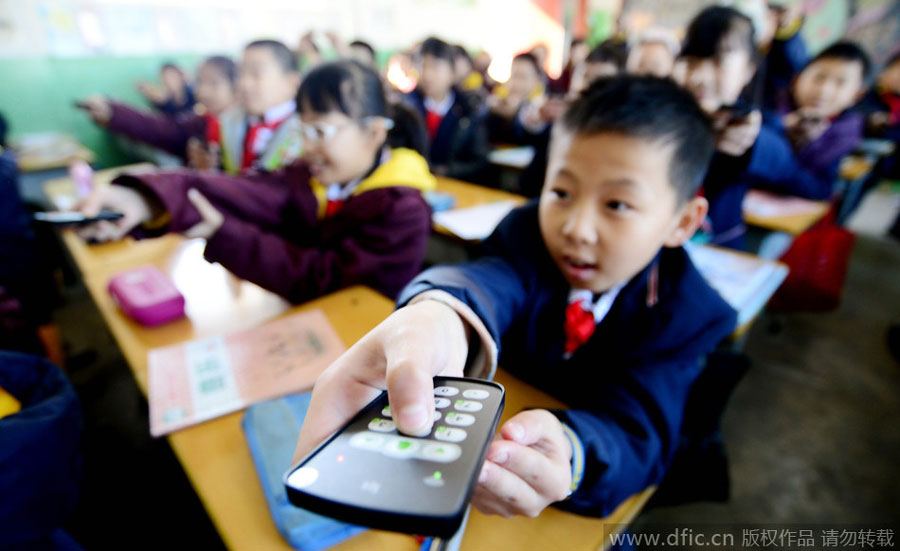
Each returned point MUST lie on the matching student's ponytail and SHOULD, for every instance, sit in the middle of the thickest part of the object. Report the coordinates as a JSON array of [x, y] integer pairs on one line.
[[408, 130], [357, 91]]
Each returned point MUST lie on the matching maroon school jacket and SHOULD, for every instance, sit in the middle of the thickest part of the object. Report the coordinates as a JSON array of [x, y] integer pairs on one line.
[[275, 233], [170, 134]]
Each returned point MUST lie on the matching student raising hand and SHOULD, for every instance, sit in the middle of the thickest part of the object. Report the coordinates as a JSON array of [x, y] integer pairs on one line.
[[98, 108]]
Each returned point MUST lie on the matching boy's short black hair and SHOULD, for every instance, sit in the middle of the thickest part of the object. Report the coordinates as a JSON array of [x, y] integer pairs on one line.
[[531, 59], [718, 28], [608, 51], [846, 51], [654, 109], [284, 56], [224, 65], [364, 45], [437, 48]]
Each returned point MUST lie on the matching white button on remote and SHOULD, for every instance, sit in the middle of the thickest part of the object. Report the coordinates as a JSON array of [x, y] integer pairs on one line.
[[446, 391], [401, 448], [367, 440], [459, 419], [386, 411], [476, 394], [441, 403], [466, 405], [448, 434], [382, 425], [442, 452]]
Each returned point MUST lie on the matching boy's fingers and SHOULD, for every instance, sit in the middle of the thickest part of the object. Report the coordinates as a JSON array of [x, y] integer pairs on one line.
[[512, 492], [410, 392], [547, 477]]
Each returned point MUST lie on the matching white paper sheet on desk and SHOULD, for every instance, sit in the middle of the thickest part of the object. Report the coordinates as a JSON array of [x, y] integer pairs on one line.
[[474, 223], [769, 205], [517, 157], [745, 282]]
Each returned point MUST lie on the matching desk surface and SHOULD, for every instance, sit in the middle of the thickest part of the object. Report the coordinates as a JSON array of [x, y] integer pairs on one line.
[[215, 451], [471, 195], [793, 221], [49, 150]]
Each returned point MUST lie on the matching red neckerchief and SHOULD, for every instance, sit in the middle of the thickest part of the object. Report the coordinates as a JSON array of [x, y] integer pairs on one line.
[[213, 129], [250, 139], [893, 103], [433, 121], [579, 325]]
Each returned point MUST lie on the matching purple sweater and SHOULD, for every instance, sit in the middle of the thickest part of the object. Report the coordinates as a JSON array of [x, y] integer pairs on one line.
[[273, 234], [170, 134]]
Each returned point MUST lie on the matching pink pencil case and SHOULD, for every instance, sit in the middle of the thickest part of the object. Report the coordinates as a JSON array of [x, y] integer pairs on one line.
[[147, 295]]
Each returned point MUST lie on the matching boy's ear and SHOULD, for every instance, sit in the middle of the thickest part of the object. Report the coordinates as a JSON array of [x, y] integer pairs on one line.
[[687, 220], [377, 131]]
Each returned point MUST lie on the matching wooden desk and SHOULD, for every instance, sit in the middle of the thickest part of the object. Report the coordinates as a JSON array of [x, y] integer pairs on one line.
[[471, 195], [794, 224], [214, 454], [61, 191], [49, 150]]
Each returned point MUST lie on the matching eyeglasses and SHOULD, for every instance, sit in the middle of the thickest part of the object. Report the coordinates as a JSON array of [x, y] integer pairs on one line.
[[322, 132]]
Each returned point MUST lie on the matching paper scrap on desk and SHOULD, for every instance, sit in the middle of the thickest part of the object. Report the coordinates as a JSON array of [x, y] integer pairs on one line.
[[770, 205], [518, 157], [205, 378], [474, 223], [746, 282]]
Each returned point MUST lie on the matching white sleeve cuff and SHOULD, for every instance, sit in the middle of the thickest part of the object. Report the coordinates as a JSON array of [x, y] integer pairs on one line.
[[482, 363]]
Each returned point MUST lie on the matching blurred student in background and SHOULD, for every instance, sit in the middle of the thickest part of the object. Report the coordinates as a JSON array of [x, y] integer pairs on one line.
[[261, 132], [350, 213], [456, 134], [653, 53], [216, 93], [578, 51], [175, 96], [525, 85]]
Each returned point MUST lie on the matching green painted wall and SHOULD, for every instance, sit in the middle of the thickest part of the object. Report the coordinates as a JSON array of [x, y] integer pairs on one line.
[[36, 94]]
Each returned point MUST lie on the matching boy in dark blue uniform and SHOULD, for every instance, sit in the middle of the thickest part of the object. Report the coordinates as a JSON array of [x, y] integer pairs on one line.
[[587, 294], [457, 136]]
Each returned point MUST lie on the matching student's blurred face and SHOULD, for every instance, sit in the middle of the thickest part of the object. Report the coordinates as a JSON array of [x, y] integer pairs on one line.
[[651, 58], [717, 81], [213, 89], [579, 53], [171, 80], [889, 79], [263, 83], [523, 79], [461, 68], [342, 149], [363, 55], [828, 86], [607, 207], [437, 76], [595, 70]]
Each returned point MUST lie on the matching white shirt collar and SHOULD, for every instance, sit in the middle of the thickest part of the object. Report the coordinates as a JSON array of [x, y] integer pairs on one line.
[[279, 112], [442, 107], [601, 306]]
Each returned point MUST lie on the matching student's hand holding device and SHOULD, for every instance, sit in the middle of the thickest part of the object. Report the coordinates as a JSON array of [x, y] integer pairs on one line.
[[212, 218], [133, 206], [527, 468], [804, 126], [203, 156], [403, 353], [98, 108], [736, 135]]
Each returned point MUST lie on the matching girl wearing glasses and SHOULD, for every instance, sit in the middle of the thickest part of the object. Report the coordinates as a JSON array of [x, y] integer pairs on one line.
[[350, 212]]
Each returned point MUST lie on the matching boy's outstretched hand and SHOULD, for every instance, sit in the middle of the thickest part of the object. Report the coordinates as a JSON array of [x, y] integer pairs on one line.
[[403, 353], [527, 468]]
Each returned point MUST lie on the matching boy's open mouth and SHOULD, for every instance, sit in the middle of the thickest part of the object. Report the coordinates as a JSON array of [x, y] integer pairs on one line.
[[578, 268]]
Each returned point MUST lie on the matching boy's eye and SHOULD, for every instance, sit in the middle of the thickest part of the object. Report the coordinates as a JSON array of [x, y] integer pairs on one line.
[[560, 193], [618, 206]]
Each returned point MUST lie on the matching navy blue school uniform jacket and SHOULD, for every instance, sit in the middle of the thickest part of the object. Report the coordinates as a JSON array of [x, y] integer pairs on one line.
[[460, 143], [628, 384], [773, 164]]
